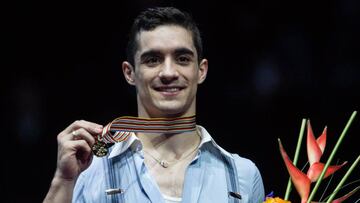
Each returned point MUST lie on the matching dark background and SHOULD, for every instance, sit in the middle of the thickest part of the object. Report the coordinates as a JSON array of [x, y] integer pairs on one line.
[[271, 63]]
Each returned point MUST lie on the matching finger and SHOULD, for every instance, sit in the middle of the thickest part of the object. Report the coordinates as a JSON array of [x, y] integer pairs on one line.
[[83, 151], [81, 133], [80, 130], [76, 153], [92, 128], [68, 154]]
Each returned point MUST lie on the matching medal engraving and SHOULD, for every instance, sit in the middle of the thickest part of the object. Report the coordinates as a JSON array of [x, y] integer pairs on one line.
[[100, 148]]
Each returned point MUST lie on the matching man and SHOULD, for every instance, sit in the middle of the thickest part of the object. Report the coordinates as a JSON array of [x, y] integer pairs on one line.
[[165, 65]]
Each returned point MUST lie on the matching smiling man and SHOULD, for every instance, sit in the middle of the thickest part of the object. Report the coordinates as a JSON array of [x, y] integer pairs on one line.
[[165, 65], [166, 72]]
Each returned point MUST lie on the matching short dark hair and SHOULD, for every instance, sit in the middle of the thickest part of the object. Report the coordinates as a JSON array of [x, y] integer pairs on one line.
[[151, 18]]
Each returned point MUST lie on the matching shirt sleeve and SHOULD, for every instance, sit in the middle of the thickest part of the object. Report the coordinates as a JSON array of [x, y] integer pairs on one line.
[[258, 194], [250, 179]]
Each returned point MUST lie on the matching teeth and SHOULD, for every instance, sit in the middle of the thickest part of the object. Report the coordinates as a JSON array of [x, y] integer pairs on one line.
[[172, 89]]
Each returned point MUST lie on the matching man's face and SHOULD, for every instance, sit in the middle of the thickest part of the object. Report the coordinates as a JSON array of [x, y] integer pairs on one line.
[[167, 72]]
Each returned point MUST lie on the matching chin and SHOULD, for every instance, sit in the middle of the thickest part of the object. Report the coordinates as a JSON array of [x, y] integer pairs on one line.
[[171, 108]]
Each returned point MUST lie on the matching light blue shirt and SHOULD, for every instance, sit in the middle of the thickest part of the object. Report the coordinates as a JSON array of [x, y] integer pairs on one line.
[[205, 178]]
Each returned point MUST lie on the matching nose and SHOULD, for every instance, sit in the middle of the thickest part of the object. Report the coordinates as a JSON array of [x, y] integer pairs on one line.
[[168, 72]]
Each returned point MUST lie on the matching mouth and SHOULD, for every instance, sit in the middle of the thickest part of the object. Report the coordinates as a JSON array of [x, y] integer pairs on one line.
[[169, 90]]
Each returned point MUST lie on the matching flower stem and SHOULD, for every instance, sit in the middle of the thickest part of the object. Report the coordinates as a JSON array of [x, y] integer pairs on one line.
[[312, 194], [343, 180], [297, 151]]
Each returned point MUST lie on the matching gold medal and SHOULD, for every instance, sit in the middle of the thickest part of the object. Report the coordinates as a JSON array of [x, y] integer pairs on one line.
[[100, 148]]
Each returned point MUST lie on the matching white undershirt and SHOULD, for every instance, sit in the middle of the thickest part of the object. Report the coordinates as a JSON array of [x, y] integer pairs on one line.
[[169, 199]]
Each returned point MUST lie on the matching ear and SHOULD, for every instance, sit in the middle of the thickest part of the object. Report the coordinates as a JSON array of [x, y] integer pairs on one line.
[[203, 69], [129, 72]]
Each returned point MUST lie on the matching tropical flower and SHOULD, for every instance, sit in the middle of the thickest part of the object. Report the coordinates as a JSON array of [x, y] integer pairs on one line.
[[315, 149], [317, 170]]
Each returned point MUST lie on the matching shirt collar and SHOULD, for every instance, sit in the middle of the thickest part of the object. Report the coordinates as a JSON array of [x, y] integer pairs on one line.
[[134, 143], [206, 137], [120, 147]]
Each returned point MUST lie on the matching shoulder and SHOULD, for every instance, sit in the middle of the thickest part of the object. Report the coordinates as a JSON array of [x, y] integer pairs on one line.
[[245, 166], [249, 178], [247, 170]]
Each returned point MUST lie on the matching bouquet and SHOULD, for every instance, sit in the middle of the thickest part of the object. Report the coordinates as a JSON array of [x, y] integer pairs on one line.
[[317, 170]]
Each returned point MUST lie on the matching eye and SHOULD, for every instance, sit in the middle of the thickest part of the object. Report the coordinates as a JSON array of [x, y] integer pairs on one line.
[[152, 61], [183, 59]]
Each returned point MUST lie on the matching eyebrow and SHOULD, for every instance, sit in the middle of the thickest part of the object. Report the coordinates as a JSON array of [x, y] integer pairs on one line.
[[180, 51], [149, 53], [177, 51]]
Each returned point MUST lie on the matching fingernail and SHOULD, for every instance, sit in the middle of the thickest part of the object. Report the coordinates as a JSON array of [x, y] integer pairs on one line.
[[98, 129]]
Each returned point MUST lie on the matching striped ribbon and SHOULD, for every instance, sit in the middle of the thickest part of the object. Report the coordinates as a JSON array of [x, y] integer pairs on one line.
[[120, 129]]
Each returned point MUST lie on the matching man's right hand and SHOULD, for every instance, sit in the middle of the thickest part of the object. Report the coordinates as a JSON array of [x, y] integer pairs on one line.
[[74, 148], [74, 156]]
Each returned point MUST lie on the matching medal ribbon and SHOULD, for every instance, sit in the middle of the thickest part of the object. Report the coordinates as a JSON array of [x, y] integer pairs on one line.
[[120, 129]]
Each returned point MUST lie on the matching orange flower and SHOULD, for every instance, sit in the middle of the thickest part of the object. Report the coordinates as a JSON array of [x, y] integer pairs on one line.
[[275, 200]]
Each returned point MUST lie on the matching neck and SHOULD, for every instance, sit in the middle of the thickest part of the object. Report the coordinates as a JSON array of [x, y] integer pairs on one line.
[[170, 146]]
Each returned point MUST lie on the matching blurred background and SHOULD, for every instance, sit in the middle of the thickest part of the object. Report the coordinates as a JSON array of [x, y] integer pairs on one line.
[[271, 64]]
